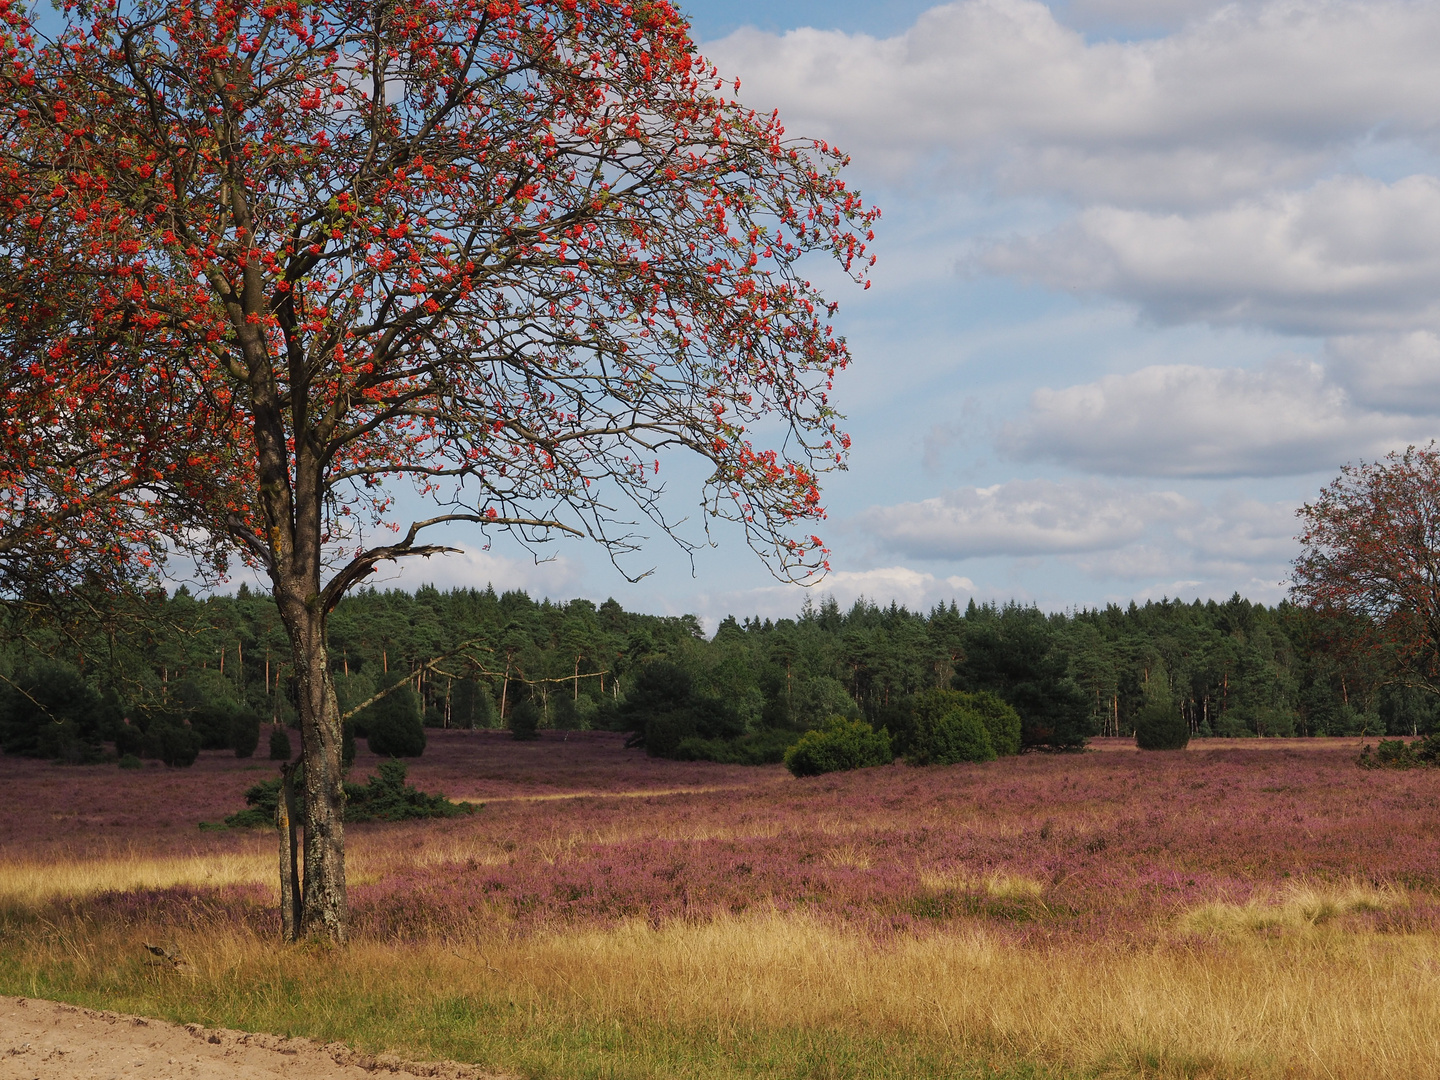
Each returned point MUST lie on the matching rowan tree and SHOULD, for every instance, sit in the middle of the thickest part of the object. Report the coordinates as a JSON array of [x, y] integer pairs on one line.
[[517, 252], [1371, 554], [91, 454]]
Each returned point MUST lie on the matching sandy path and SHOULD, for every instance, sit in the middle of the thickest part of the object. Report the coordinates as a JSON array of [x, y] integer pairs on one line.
[[44, 1040]]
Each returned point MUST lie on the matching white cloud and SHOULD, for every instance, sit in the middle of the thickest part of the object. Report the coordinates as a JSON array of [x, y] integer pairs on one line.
[[1345, 255], [914, 589], [1140, 16], [1232, 544], [1188, 421], [1022, 517], [1157, 538], [1236, 102], [1236, 532], [1399, 372]]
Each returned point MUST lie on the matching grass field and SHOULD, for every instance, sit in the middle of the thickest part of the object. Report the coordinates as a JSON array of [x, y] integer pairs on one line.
[[1238, 909]]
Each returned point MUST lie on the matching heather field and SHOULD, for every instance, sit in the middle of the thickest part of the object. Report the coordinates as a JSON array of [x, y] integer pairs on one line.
[[1247, 908]]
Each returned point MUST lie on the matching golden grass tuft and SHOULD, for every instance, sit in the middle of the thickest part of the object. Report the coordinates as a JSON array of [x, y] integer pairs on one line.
[[1300, 908], [849, 856], [998, 885]]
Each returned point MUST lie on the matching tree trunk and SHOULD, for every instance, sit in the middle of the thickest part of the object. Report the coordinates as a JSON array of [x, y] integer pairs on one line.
[[323, 906], [289, 852]]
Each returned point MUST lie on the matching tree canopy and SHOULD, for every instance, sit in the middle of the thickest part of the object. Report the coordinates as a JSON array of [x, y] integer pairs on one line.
[[515, 252], [1371, 553]]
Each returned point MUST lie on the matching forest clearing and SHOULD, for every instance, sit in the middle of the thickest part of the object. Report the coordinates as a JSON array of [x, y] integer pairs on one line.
[[1241, 908]]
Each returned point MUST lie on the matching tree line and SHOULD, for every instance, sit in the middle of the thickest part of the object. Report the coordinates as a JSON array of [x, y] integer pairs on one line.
[[474, 657]]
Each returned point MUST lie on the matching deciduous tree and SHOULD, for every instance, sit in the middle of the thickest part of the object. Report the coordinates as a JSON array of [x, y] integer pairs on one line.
[[515, 251], [1371, 551]]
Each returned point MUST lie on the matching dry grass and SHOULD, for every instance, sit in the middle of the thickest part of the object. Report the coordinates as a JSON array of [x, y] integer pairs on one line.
[[1334, 1006], [26, 885], [1301, 907], [850, 856], [1356, 1006], [30, 884], [1001, 886]]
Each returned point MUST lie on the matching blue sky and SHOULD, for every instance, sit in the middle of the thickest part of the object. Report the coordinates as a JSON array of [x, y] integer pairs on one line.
[[1150, 273]]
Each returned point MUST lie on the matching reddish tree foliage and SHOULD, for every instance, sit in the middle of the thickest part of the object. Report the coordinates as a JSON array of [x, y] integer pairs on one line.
[[514, 251], [1372, 555], [92, 455]]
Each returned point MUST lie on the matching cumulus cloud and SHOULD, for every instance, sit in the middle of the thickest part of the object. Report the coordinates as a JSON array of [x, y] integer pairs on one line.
[[1399, 372], [1188, 421], [1107, 532], [1022, 517], [1232, 544], [1240, 100], [1345, 255], [1236, 532], [914, 589]]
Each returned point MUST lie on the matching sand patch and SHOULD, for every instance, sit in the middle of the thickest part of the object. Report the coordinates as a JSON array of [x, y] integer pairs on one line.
[[45, 1040]]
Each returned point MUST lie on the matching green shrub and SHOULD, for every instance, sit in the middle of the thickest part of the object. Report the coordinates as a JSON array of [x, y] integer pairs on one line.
[[211, 723], [171, 742], [1398, 754], [130, 761], [524, 722], [1002, 722], [663, 709], [383, 797], [347, 744], [1348, 720], [128, 739], [816, 700], [471, 705], [841, 744], [1427, 749], [665, 732], [48, 710], [958, 735], [386, 797], [922, 718], [764, 747], [572, 713], [394, 724], [280, 749], [262, 799], [244, 732], [1159, 725], [1234, 723], [69, 742]]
